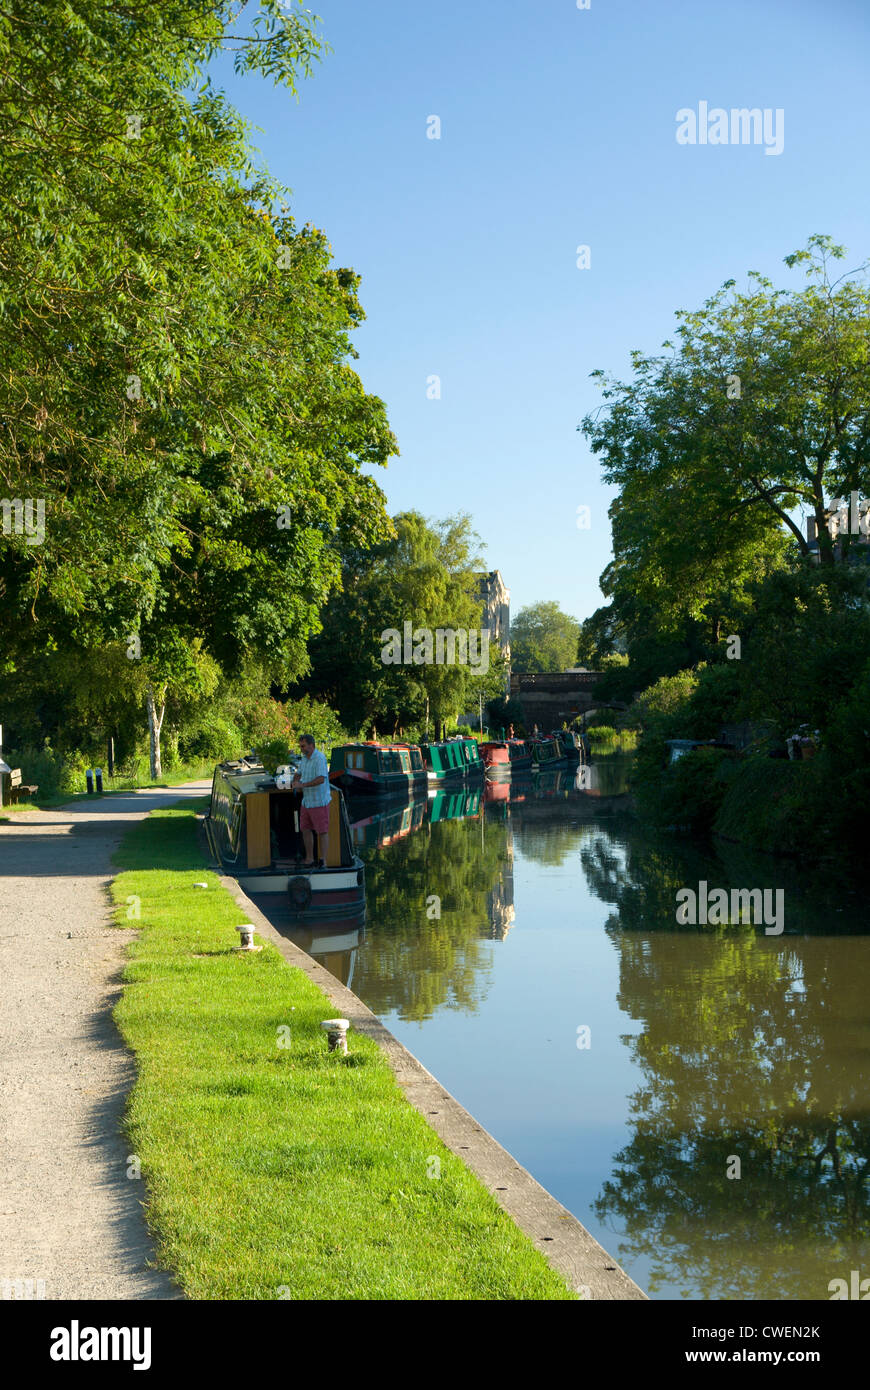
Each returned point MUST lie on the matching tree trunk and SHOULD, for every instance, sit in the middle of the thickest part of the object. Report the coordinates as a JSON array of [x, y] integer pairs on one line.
[[155, 724]]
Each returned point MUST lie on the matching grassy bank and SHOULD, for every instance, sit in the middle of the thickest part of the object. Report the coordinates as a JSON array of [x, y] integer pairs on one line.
[[277, 1171]]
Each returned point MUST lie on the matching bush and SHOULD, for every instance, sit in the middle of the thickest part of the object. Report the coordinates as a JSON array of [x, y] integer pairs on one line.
[[212, 737], [665, 705], [53, 772], [602, 733], [693, 789], [776, 805]]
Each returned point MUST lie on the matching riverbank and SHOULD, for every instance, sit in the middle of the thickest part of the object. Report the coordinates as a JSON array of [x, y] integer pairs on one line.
[[275, 1169]]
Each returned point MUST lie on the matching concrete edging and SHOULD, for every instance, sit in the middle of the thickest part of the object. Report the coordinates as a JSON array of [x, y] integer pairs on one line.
[[553, 1230]]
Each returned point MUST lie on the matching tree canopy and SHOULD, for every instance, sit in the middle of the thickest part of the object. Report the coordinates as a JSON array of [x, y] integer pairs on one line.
[[543, 638], [177, 386]]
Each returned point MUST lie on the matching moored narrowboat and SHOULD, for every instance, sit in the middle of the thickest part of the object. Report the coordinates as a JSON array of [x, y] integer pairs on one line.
[[546, 753], [503, 757], [378, 769], [571, 744], [452, 760], [253, 832]]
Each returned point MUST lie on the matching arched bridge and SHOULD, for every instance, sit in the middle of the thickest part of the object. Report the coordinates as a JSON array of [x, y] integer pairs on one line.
[[553, 698]]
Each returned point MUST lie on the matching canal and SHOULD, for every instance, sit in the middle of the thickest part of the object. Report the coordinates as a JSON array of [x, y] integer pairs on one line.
[[696, 1095]]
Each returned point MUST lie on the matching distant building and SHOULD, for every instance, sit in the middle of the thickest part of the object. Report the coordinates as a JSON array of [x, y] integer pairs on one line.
[[496, 599]]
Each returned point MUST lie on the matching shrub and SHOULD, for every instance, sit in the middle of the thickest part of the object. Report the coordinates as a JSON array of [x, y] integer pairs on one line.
[[212, 736], [776, 805], [686, 793], [53, 772]]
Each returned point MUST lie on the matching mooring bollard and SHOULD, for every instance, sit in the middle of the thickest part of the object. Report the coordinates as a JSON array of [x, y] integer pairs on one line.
[[89, 779], [336, 1033], [246, 932]]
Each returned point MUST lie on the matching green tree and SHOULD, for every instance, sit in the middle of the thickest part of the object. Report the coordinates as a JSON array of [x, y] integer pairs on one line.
[[177, 387], [426, 577], [543, 638], [762, 408]]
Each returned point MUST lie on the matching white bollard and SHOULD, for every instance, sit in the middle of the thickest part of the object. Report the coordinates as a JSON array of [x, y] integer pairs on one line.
[[246, 932], [336, 1032]]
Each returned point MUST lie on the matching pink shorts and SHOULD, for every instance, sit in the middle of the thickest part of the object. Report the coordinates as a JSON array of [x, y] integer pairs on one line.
[[315, 818]]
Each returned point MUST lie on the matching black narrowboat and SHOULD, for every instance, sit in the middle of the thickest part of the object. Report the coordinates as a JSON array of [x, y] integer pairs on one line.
[[253, 832]]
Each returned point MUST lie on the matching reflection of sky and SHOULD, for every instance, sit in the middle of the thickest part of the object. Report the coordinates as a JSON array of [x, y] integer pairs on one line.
[[515, 1064]]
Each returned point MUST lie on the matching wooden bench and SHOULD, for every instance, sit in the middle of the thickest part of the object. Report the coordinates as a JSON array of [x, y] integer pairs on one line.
[[18, 790]]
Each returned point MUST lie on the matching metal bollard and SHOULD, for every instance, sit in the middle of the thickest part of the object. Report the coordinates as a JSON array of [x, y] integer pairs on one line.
[[336, 1033], [99, 781], [246, 932], [89, 779]]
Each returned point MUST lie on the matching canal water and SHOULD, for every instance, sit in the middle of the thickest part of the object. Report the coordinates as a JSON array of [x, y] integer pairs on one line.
[[698, 1096]]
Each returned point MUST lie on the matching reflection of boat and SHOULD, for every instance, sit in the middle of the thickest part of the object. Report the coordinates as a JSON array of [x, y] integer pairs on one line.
[[253, 831], [332, 944], [380, 828], [377, 769], [453, 760], [505, 757], [455, 805]]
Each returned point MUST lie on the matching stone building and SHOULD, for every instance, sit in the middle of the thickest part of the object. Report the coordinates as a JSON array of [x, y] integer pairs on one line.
[[496, 599]]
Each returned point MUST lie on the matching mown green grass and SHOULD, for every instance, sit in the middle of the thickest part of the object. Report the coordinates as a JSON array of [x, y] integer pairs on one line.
[[276, 1172]]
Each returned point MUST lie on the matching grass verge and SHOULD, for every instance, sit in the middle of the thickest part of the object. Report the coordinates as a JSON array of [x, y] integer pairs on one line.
[[276, 1171]]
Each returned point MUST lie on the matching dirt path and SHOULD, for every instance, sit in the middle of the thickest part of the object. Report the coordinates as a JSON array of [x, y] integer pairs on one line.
[[69, 1215]]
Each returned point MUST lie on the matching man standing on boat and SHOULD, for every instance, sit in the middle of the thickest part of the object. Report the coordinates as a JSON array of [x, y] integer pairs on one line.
[[313, 779]]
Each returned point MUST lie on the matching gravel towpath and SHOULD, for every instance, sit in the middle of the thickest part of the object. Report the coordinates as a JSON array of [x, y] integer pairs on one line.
[[70, 1218]]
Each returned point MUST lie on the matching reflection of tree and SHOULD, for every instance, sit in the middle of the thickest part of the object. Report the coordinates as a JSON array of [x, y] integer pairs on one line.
[[750, 1046], [545, 840], [424, 963]]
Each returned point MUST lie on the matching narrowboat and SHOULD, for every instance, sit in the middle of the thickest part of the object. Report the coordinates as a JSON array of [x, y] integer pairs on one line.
[[253, 832], [546, 753], [571, 744], [452, 760], [378, 769], [504, 757]]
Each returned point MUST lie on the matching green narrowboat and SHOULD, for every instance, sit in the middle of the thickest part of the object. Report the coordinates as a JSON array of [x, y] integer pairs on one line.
[[378, 769], [453, 760]]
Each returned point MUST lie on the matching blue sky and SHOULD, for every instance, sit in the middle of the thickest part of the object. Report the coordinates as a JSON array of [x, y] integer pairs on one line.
[[558, 129]]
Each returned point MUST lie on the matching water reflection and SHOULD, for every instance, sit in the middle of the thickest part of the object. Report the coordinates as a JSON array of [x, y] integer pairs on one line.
[[438, 896], [499, 920], [751, 1049]]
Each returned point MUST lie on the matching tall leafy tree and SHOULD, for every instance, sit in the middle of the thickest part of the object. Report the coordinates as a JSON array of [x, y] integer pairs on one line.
[[177, 388], [427, 576], [761, 408], [543, 638]]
